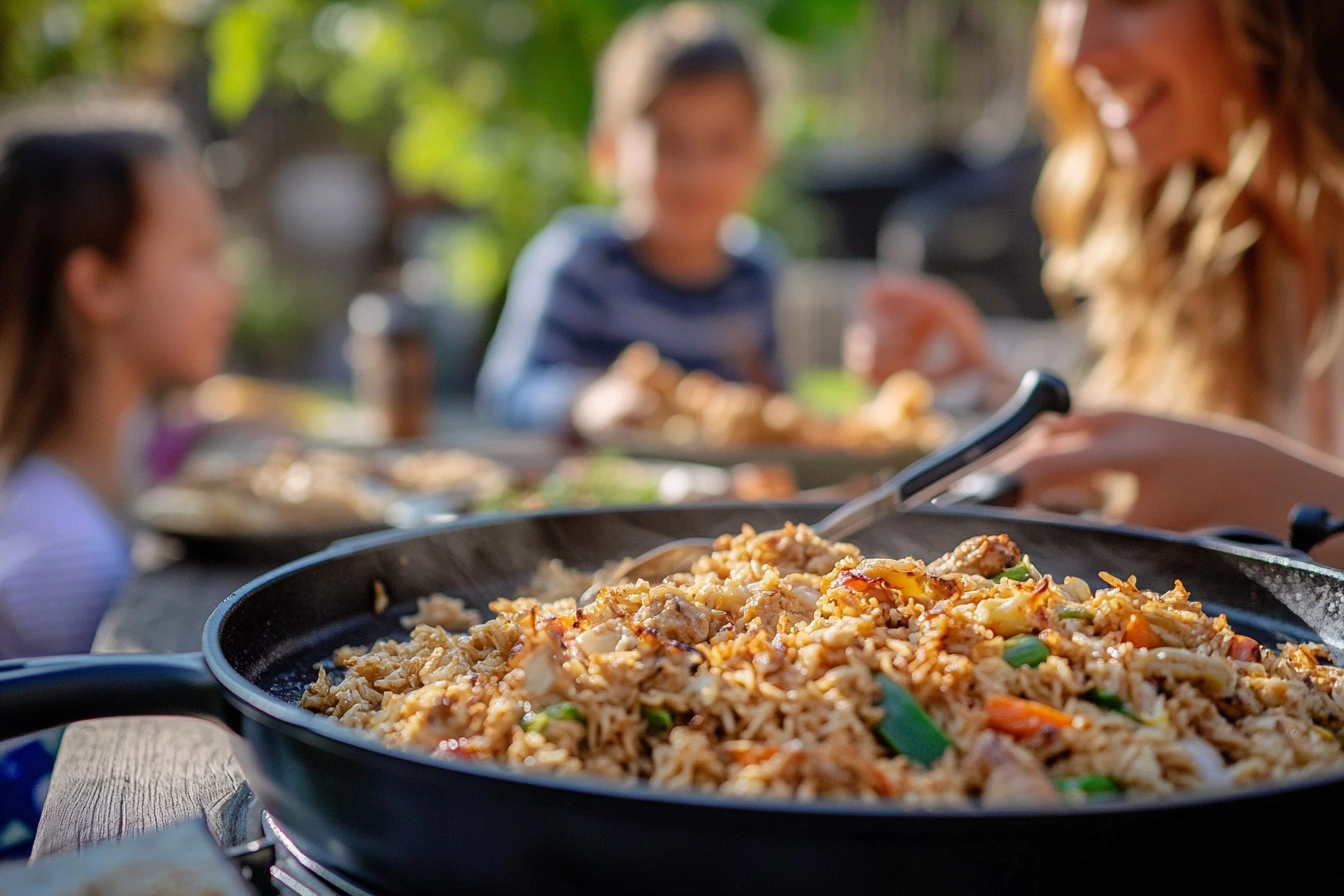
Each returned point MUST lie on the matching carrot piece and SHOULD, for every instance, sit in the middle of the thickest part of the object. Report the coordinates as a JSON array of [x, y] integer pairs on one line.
[[1244, 649], [1023, 718], [748, 753], [1139, 633], [857, 581], [880, 782]]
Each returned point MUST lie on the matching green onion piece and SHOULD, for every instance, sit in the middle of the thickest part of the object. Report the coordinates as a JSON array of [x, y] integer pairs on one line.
[[567, 712], [1110, 700], [1025, 650], [1077, 613], [1019, 573], [657, 718], [536, 722], [1092, 785], [906, 728]]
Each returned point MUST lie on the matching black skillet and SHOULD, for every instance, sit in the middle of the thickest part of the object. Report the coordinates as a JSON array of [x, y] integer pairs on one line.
[[403, 823]]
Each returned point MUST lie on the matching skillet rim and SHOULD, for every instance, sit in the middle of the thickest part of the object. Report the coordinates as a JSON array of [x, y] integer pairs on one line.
[[267, 709]]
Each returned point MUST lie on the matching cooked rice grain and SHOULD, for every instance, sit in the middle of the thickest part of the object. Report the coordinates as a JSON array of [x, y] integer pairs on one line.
[[764, 659], [448, 613]]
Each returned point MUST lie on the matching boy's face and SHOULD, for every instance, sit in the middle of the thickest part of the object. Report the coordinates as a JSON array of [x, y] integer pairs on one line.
[[695, 157]]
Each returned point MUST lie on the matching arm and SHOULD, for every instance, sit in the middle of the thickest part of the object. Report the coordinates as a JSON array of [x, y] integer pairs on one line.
[[534, 367], [770, 254], [756, 357], [1190, 474], [542, 397]]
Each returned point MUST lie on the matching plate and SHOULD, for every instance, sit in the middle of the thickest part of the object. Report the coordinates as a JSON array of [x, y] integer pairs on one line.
[[811, 467], [218, 523]]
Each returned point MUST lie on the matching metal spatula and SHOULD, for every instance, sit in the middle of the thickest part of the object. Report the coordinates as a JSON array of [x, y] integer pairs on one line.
[[1039, 392]]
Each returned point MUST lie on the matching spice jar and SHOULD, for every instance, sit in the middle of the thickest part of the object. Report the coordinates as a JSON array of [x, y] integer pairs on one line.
[[392, 365]]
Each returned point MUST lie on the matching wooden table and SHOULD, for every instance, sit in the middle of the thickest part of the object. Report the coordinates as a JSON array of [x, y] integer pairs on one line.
[[116, 778]]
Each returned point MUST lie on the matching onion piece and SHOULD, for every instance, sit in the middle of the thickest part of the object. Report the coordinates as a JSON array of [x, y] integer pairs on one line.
[[1207, 760]]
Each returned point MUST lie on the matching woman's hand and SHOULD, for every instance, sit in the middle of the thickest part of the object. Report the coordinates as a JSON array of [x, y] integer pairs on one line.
[[900, 323], [1189, 474]]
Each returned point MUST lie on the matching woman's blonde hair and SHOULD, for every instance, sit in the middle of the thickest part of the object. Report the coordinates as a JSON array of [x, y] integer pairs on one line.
[[1186, 283]]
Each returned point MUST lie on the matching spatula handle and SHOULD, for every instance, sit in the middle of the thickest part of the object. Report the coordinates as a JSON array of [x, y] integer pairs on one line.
[[1040, 392]]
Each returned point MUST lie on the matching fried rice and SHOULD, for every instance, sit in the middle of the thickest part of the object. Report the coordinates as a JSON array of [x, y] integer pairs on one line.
[[787, 665]]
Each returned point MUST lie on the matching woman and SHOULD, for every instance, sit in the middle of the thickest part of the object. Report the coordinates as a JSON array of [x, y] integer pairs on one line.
[[1193, 194]]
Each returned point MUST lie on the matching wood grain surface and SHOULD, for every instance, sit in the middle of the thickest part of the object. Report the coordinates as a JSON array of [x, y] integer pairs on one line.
[[116, 778]]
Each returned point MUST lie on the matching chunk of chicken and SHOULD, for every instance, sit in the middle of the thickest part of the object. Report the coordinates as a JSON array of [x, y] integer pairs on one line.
[[676, 618], [983, 555], [543, 671], [1015, 777]]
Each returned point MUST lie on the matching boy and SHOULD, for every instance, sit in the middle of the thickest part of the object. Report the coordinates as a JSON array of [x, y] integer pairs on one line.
[[677, 133]]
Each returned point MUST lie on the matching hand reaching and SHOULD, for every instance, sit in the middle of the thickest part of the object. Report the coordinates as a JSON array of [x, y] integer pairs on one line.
[[900, 323], [1189, 474]]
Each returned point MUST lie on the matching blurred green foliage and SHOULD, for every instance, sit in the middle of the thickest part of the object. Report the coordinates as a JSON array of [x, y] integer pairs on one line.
[[603, 480], [831, 392], [272, 320], [132, 40], [483, 103]]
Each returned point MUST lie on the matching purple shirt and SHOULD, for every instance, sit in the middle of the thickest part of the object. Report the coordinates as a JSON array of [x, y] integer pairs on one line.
[[63, 557]]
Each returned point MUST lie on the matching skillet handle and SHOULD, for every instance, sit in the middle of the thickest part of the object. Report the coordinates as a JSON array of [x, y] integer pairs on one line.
[[1310, 525], [45, 692]]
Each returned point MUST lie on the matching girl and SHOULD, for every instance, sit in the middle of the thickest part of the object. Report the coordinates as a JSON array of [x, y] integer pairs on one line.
[[110, 287]]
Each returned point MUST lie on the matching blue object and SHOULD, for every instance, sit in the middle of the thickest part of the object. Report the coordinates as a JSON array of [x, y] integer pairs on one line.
[[25, 772]]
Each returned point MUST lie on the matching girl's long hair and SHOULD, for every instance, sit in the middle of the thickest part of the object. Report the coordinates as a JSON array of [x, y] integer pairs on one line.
[[64, 186], [1191, 293]]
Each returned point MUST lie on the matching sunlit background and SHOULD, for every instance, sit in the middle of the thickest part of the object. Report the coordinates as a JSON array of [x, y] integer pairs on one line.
[[413, 146]]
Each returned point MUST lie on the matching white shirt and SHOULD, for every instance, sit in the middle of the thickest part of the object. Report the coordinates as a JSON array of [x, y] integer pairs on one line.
[[63, 557]]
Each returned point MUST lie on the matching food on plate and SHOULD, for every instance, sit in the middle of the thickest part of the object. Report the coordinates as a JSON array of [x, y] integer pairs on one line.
[[763, 482], [645, 393], [291, 489], [608, 480], [447, 470], [787, 665]]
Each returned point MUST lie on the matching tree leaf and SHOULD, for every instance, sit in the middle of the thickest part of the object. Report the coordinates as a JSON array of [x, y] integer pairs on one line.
[[240, 43]]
